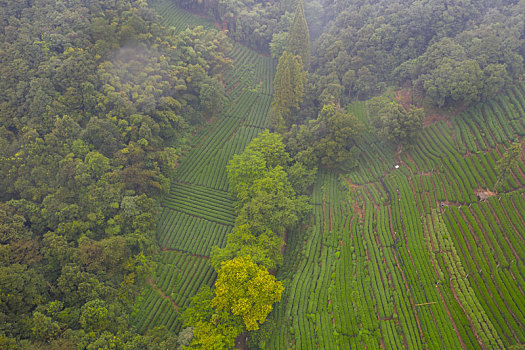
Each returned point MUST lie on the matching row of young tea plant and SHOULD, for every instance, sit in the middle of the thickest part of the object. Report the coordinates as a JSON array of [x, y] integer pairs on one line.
[[408, 256]]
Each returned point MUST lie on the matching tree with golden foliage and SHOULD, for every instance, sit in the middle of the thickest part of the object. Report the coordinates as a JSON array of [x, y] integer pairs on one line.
[[246, 290]]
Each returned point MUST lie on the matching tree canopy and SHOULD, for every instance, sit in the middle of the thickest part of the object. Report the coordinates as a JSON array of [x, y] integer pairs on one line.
[[95, 99], [299, 36], [454, 51], [329, 140], [394, 122], [246, 290], [289, 89]]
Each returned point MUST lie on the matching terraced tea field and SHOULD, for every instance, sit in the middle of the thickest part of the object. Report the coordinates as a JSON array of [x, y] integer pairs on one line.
[[198, 212], [408, 257], [400, 253], [177, 18]]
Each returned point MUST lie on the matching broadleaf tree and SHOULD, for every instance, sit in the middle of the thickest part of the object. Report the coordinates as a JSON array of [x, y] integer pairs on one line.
[[246, 290]]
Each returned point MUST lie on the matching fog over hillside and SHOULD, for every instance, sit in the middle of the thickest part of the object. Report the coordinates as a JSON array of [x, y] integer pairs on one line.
[[296, 174]]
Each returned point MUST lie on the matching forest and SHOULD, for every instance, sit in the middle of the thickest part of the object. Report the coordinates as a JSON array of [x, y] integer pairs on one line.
[[295, 174]]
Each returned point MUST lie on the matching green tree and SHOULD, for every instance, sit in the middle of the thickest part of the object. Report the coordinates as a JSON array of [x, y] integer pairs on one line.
[[301, 177], [454, 82], [22, 289], [494, 78], [211, 96], [11, 224], [271, 147], [211, 329], [43, 328], [273, 204], [76, 287], [330, 140], [97, 163], [264, 249], [299, 37], [95, 316], [246, 290], [217, 334], [289, 88], [243, 170], [394, 122], [200, 308], [335, 137], [278, 44]]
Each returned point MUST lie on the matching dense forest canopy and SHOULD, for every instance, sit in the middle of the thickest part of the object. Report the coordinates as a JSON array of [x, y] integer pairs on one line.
[[95, 97], [455, 52], [369, 45]]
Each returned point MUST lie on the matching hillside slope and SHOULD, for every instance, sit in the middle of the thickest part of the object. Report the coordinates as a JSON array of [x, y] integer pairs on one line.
[[402, 254], [403, 257], [198, 213]]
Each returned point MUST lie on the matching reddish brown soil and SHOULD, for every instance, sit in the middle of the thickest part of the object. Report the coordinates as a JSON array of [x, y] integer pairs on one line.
[[162, 295], [434, 118], [484, 193], [463, 346]]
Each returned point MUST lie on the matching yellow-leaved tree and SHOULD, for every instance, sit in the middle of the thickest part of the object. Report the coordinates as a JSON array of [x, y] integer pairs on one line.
[[246, 290]]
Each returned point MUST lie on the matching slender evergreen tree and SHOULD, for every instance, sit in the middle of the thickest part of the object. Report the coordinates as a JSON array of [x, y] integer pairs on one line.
[[299, 37], [289, 84]]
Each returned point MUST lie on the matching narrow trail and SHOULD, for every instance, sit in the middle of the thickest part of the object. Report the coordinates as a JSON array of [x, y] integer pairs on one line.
[[162, 295]]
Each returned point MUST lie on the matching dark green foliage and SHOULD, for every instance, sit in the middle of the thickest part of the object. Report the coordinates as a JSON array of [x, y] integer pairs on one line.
[[394, 122], [457, 82], [272, 204], [211, 96], [330, 140], [301, 177], [21, 290], [299, 36], [252, 23], [266, 200], [91, 106], [450, 73], [370, 45], [289, 87]]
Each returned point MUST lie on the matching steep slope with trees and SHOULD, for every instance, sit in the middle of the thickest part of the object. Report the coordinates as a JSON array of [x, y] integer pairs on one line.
[[144, 205], [455, 52], [95, 98]]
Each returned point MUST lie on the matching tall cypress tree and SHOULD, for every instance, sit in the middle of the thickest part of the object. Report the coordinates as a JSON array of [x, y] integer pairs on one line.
[[299, 37], [288, 92]]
